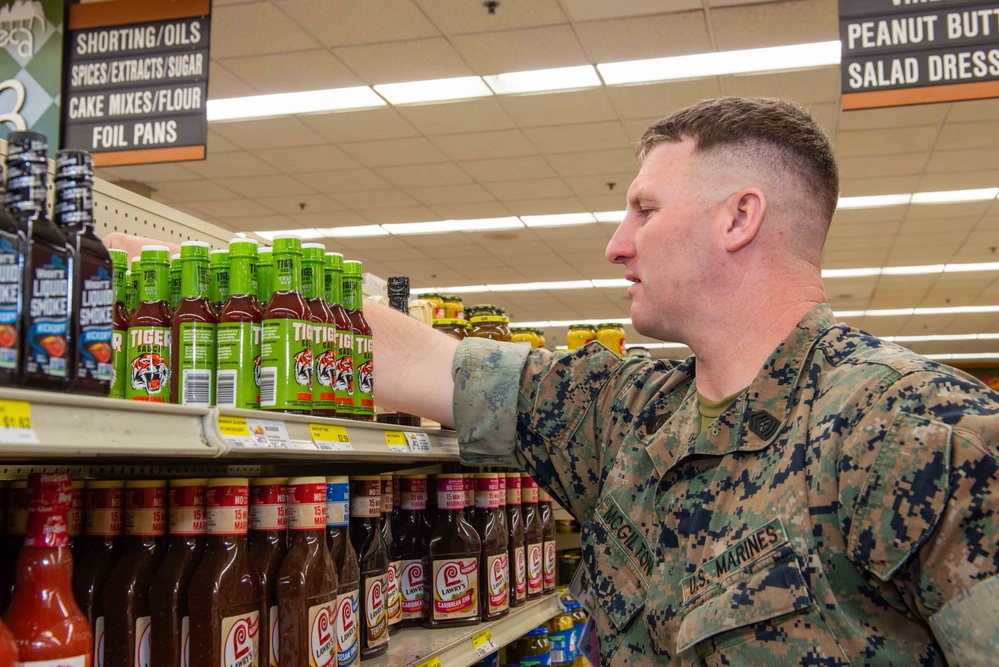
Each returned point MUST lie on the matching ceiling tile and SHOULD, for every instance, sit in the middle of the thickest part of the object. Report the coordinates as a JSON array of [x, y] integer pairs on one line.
[[775, 24], [348, 180], [966, 160], [234, 164], [591, 10], [608, 202], [476, 145], [451, 194], [470, 211], [863, 187], [659, 36], [261, 223], [415, 60], [893, 117], [218, 144], [361, 201], [584, 106], [973, 110], [928, 211], [521, 50], [953, 225], [367, 125], [807, 86], [466, 17], [395, 152], [660, 99], [317, 69], [458, 117], [379, 216], [963, 180], [322, 220], [151, 173], [268, 133], [291, 204], [825, 114], [253, 29], [575, 138], [424, 175], [265, 186], [307, 159], [346, 22], [508, 169], [869, 215], [886, 141], [598, 185], [541, 188], [887, 165], [594, 162], [223, 84], [963, 136], [191, 191], [545, 206], [231, 208]]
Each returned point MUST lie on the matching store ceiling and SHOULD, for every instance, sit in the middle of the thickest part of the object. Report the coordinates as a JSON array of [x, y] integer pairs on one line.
[[557, 153]]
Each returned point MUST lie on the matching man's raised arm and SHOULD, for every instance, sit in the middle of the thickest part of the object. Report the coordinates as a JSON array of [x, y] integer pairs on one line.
[[413, 365]]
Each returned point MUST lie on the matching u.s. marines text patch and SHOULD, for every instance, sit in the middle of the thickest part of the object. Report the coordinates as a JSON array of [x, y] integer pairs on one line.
[[748, 550]]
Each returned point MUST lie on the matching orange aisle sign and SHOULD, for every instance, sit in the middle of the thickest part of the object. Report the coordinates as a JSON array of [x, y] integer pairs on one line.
[[899, 52], [136, 80]]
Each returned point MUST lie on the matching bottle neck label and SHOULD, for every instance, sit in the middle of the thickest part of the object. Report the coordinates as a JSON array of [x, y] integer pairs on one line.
[[287, 273], [307, 506], [451, 494], [145, 512], [268, 507], [218, 290], [228, 510], [155, 283], [187, 510], [242, 277], [104, 512]]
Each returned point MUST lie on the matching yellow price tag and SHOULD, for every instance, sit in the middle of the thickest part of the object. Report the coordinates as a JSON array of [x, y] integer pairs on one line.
[[330, 437], [431, 662], [396, 438], [234, 427], [15, 414], [482, 642]]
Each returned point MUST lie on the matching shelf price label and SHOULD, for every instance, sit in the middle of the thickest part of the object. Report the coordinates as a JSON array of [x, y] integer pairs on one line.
[[419, 442], [15, 423], [430, 662], [397, 442], [482, 643], [242, 432], [331, 438]]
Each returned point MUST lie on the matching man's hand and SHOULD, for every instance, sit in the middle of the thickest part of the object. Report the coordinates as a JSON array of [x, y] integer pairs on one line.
[[133, 244]]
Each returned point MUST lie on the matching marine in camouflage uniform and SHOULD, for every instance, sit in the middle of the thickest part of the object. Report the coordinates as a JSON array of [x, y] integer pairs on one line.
[[841, 511]]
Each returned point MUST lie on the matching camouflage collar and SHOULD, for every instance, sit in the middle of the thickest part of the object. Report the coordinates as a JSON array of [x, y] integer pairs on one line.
[[753, 419]]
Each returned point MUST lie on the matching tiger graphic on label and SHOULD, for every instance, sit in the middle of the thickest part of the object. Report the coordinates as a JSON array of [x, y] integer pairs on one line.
[[150, 373], [303, 368], [344, 377], [366, 377], [326, 368]]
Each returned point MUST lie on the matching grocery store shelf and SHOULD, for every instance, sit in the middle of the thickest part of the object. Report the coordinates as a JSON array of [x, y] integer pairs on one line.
[[454, 648]]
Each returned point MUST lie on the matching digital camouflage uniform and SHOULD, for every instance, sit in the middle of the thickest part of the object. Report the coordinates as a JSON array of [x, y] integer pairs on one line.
[[844, 509]]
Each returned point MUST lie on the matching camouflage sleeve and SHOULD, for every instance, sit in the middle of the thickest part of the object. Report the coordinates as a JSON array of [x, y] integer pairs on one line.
[[919, 491]]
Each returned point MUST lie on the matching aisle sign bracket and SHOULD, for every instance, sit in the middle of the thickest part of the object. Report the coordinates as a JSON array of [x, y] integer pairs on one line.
[[136, 80], [901, 52]]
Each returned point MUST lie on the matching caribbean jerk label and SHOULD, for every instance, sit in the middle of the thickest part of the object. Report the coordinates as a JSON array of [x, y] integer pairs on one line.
[[148, 364], [534, 568], [238, 375], [47, 321], [411, 589], [455, 588], [240, 637], [286, 365], [498, 569]]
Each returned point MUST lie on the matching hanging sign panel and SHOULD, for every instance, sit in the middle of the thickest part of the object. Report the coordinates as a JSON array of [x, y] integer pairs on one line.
[[898, 52], [136, 80]]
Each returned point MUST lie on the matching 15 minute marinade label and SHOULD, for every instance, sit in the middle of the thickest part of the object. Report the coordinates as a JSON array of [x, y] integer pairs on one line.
[[48, 315], [238, 377], [94, 317], [148, 365], [286, 365], [10, 295]]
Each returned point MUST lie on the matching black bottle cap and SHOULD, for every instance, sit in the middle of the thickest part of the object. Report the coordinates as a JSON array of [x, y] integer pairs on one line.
[[398, 286]]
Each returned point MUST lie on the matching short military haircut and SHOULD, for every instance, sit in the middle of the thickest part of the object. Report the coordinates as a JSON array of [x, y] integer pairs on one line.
[[780, 129]]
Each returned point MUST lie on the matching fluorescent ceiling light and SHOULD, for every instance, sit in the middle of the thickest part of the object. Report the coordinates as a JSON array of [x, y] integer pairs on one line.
[[658, 346], [980, 266], [443, 226], [932, 338], [437, 90], [611, 282], [894, 312], [460, 289], [912, 270], [358, 231], [951, 196], [285, 104], [565, 323], [304, 234], [610, 216], [559, 220], [963, 357], [851, 273], [777, 58], [874, 201], [537, 287], [541, 80]]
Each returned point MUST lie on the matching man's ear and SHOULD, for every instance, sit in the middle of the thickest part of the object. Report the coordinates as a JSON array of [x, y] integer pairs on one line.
[[745, 211]]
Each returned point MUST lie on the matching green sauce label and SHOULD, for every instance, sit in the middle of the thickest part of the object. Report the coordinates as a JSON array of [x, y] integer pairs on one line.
[[238, 378], [343, 379], [364, 376], [324, 354], [119, 363], [148, 364], [286, 365], [196, 364]]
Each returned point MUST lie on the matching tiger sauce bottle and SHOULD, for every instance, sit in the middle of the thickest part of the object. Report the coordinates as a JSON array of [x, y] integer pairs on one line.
[[323, 331], [171, 624], [238, 333], [547, 516], [348, 639], [307, 581], [489, 521], [119, 324], [132, 278], [343, 372], [149, 332], [43, 617], [393, 598], [193, 328], [126, 595], [413, 537], [515, 531], [452, 563], [285, 336], [104, 522], [223, 598], [175, 280], [364, 374], [533, 540], [365, 511], [265, 275], [218, 283], [268, 545]]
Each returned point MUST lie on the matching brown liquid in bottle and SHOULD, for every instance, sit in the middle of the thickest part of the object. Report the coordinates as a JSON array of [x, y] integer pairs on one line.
[[413, 538], [393, 599], [518, 550], [547, 539], [365, 510], [489, 521], [126, 594], [347, 567], [452, 564], [150, 322], [102, 542], [224, 595], [533, 540], [171, 625], [268, 545], [307, 581]]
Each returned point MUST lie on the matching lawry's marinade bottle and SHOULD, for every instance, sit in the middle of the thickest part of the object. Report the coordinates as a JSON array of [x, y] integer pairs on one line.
[[149, 331], [285, 336], [343, 378], [323, 331], [119, 324], [193, 329], [44, 354], [11, 299], [238, 333], [364, 365]]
